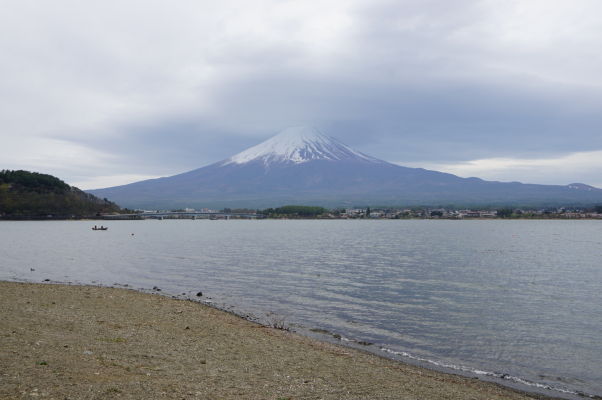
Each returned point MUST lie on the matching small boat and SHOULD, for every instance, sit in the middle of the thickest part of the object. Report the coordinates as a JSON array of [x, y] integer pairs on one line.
[[100, 228]]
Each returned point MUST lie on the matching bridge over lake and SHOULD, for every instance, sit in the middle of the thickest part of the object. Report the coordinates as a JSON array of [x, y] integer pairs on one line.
[[182, 215]]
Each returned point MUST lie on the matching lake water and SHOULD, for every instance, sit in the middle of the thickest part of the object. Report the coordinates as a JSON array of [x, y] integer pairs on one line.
[[518, 302]]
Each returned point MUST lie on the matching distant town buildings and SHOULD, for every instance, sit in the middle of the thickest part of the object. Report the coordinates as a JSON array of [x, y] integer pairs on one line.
[[442, 213]]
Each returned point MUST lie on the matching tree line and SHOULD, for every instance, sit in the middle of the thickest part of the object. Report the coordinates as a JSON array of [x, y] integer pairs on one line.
[[294, 211], [25, 194]]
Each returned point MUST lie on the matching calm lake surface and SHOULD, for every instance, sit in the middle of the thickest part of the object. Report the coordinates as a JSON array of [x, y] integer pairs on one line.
[[518, 302]]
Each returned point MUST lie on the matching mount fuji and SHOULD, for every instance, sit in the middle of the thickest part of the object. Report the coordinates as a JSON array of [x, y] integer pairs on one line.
[[303, 166]]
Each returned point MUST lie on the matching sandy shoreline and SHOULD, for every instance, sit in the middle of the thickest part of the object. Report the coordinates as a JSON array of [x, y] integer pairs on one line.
[[86, 342]]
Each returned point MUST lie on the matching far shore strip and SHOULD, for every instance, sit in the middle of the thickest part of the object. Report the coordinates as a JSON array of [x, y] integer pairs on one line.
[[87, 342]]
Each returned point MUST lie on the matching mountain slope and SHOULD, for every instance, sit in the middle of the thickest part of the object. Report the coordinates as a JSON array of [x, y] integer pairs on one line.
[[304, 166], [26, 194]]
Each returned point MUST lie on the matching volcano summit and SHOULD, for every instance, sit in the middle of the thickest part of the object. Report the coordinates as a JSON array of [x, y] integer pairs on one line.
[[303, 166], [298, 145]]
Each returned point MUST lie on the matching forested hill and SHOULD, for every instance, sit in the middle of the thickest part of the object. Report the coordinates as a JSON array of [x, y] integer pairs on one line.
[[25, 194]]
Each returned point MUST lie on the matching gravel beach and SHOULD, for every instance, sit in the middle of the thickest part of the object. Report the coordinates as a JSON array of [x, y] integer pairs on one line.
[[86, 342]]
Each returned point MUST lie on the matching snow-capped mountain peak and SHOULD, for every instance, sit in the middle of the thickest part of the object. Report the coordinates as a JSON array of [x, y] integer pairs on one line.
[[298, 145]]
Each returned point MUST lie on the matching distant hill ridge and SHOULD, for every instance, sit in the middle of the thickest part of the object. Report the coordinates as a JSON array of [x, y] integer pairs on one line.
[[302, 165], [25, 194]]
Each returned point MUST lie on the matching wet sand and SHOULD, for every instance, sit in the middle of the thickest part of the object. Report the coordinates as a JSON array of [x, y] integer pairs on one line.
[[86, 342]]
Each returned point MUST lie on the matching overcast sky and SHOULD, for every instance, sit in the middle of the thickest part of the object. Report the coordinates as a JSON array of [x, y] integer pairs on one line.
[[109, 92]]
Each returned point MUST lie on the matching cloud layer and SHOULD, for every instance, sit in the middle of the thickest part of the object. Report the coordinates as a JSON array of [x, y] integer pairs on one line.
[[105, 93]]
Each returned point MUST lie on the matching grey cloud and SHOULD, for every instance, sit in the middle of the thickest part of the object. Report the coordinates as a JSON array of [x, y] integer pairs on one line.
[[475, 120], [162, 90]]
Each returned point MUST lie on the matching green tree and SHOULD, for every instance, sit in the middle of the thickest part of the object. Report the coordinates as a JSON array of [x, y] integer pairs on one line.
[[505, 212], [26, 194], [294, 211]]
